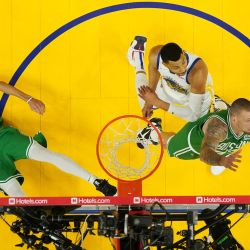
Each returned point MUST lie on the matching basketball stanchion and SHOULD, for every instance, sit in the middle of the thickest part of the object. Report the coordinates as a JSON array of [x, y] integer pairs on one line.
[[120, 156]]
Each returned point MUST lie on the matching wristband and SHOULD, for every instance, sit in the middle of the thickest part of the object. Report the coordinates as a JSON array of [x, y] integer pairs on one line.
[[29, 99]]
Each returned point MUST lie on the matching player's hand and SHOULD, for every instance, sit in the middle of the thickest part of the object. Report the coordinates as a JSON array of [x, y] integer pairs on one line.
[[37, 106], [229, 161], [147, 111], [148, 95]]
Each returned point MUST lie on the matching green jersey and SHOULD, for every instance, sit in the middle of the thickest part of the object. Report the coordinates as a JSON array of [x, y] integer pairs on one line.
[[186, 144]]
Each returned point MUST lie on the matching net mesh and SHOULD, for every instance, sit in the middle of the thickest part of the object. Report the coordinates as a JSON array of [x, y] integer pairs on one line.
[[119, 153]]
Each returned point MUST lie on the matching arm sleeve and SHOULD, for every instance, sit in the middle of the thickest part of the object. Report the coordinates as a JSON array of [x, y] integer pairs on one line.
[[193, 110], [195, 103]]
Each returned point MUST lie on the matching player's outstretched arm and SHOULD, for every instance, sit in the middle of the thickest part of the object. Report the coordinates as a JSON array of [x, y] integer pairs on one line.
[[197, 79], [215, 131], [35, 104]]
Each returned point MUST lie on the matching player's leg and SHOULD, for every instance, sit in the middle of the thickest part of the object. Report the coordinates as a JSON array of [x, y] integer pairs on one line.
[[12, 188], [178, 145], [148, 135], [10, 178], [39, 153], [166, 136], [135, 56], [136, 53], [20, 146]]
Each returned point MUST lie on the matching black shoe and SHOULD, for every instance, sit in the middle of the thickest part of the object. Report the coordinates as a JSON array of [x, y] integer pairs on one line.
[[104, 187], [148, 135], [140, 43]]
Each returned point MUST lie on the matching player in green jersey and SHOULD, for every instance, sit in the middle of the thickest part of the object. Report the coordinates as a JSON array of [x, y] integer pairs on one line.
[[215, 138], [14, 146]]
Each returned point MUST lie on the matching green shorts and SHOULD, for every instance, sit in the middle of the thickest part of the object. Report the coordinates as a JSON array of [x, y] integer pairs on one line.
[[179, 145], [13, 146]]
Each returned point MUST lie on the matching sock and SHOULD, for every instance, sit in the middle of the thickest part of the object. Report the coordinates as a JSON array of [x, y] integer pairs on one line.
[[39, 153], [139, 60], [140, 80], [12, 188]]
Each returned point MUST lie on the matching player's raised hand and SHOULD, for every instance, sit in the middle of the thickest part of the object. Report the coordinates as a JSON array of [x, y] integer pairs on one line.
[[231, 160]]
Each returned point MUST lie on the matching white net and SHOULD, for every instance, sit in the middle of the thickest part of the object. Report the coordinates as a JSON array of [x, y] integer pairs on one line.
[[119, 153]]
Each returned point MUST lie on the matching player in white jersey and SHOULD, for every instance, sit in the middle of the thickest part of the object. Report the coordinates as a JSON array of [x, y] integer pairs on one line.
[[180, 80]]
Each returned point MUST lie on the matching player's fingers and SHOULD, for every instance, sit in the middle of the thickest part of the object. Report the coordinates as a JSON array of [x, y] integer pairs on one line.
[[232, 168], [41, 108], [237, 157], [237, 160], [237, 152], [234, 165], [150, 114]]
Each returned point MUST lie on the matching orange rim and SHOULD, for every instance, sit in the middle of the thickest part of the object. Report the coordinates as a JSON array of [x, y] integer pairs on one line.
[[100, 136]]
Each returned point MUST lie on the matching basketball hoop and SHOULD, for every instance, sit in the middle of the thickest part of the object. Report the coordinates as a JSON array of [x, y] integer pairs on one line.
[[119, 155]]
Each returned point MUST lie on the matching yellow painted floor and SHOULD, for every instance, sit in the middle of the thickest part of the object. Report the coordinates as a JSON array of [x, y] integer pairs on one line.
[[85, 80]]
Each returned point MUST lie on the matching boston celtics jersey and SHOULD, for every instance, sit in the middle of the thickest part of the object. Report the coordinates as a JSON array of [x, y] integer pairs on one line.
[[232, 142], [186, 144]]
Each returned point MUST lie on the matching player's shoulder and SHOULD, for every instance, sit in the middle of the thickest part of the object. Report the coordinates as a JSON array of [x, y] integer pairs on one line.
[[216, 120], [154, 53], [199, 72], [215, 124], [156, 49], [199, 67]]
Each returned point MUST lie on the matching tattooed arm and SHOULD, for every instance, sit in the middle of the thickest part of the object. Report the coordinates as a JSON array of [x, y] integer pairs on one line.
[[215, 131]]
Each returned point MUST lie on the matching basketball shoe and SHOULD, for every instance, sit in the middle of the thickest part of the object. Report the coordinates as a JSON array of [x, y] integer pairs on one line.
[[136, 52], [104, 187], [149, 135]]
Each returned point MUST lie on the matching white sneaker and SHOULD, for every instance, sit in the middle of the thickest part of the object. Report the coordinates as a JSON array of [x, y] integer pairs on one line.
[[220, 104], [138, 46], [216, 170], [148, 135]]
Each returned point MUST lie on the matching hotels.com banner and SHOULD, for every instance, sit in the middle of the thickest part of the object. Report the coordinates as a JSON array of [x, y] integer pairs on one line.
[[128, 200]]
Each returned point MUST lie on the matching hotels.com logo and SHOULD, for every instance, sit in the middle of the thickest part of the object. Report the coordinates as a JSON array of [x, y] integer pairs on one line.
[[74, 200], [199, 199], [12, 201], [137, 200]]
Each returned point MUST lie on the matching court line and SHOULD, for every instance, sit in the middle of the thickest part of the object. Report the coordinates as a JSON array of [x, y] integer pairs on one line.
[[110, 9]]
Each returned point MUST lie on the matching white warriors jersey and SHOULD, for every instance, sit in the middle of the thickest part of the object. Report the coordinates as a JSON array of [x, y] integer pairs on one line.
[[178, 87]]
